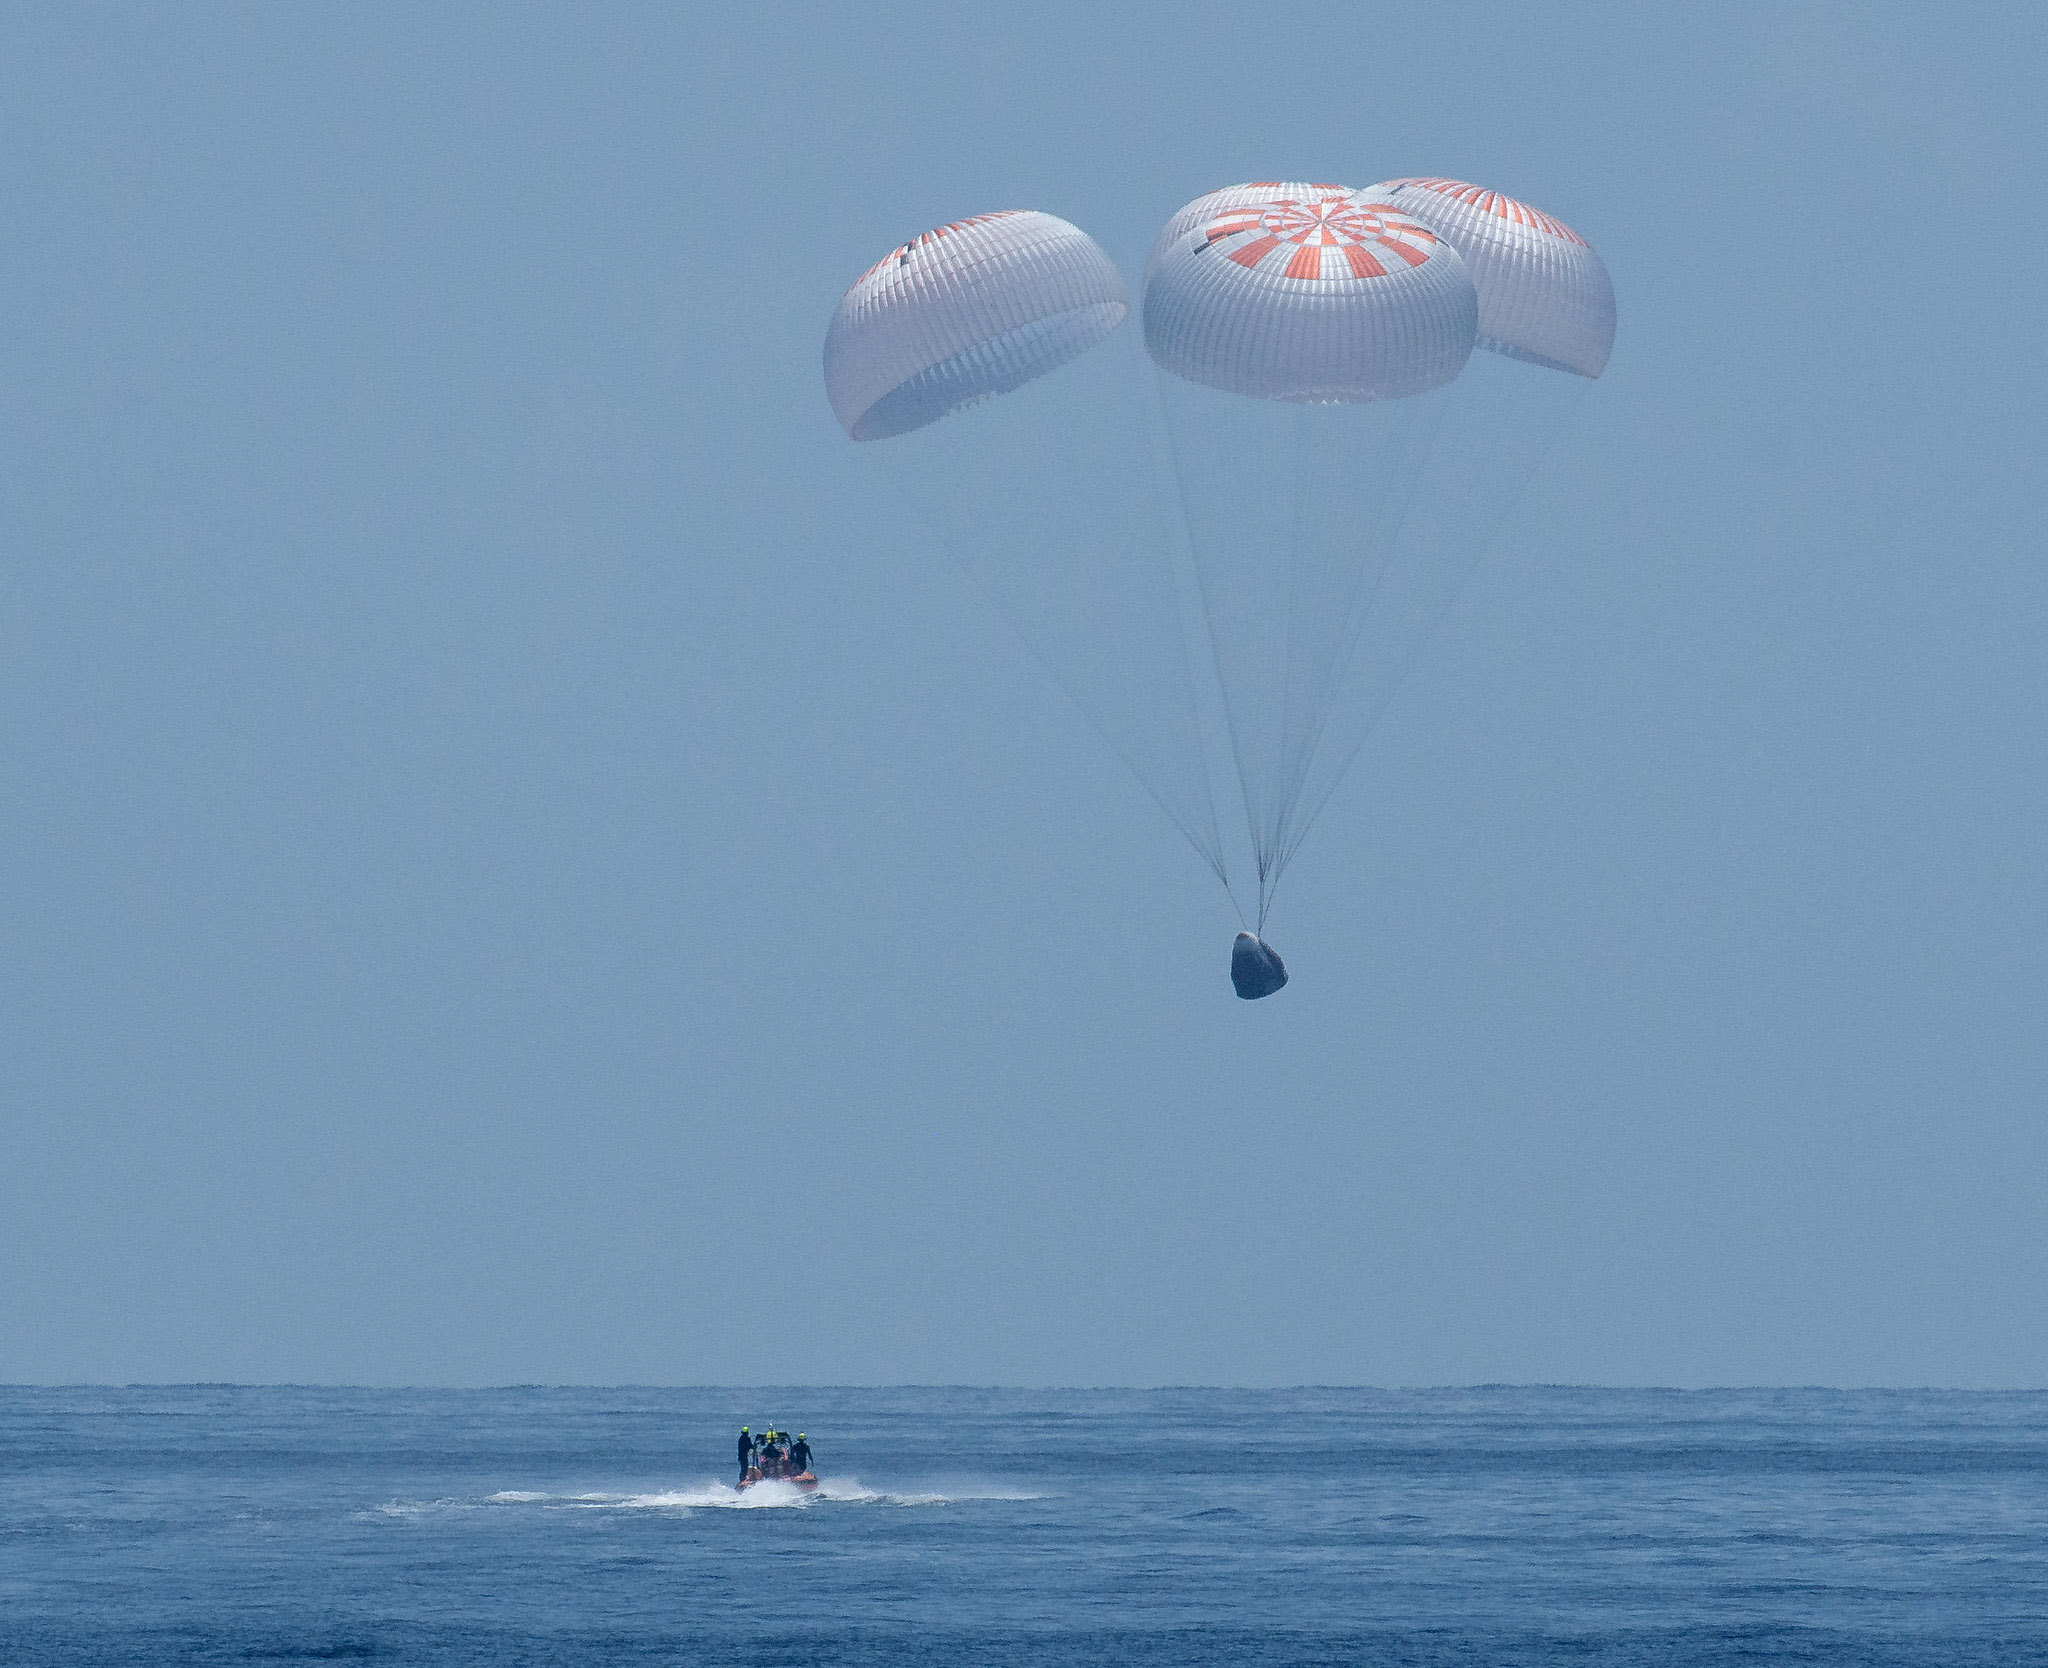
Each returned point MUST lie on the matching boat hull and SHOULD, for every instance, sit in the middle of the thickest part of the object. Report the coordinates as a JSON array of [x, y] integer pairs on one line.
[[803, 1480]]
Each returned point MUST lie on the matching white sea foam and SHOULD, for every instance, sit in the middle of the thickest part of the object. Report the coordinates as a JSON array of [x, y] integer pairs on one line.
[[952, 1489], [418, 1508], [770, 1495]]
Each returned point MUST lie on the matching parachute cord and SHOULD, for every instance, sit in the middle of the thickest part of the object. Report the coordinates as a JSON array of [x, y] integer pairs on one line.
[[1478, 553], [1209, 850], [1412, 456], [1191, 692], [1163, 409]]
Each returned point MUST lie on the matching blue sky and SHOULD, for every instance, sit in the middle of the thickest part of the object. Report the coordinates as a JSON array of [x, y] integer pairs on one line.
[[513, 869]]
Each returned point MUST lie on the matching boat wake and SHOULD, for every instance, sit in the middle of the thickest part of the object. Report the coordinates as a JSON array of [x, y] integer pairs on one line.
[[771, 1494]]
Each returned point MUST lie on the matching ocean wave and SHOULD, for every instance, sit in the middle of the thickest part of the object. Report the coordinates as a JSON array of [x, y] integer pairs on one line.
[[415, 1508]]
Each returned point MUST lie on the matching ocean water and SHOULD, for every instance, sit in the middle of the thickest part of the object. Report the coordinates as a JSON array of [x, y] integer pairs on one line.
[[216, 1524]]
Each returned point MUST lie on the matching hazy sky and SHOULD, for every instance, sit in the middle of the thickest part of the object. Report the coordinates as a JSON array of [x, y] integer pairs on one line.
[[512, 868]]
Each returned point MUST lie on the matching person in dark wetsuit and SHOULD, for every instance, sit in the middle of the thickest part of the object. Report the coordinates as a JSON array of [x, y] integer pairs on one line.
[[799, 1455], [746, 1452]]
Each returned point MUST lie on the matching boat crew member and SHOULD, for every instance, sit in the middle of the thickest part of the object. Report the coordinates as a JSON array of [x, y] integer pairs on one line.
[[800, 1455], [746, 1452]]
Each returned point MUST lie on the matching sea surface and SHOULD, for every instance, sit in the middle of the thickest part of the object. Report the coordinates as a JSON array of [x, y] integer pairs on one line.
[[217, 1524]]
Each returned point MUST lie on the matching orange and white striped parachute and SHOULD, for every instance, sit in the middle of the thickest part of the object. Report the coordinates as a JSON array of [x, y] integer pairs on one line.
[[1544, 295], [1299, 292], [1303, 334]]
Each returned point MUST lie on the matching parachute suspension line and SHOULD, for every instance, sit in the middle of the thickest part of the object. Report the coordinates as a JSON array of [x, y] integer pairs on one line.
[[1472, 556], [1164, 451], [1366, 597], [1308, 675], [1340, 555], [1295, 668], [1210, 850], [1332, 558], [1301, 547], [1206, 592]]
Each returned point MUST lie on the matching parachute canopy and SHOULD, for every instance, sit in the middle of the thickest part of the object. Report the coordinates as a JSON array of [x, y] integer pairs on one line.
[[1304, 293], [970, 309], [1544, 295]]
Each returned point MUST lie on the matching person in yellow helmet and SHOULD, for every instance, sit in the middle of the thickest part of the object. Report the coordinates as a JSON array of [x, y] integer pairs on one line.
[[799, 1455], [746, 1452]]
